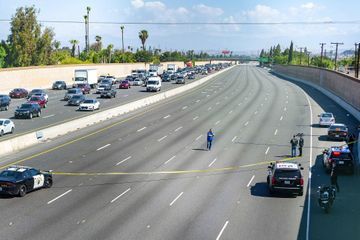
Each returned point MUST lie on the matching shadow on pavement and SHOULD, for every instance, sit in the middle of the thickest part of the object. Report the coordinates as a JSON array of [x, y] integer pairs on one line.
[[261, 189]]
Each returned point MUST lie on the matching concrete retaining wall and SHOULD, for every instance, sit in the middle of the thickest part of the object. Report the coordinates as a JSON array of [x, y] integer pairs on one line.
[[27, 140], [43, 77]]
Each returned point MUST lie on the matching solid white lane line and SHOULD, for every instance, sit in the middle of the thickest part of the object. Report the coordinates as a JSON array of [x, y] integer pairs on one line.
[[48, 116], [275, 132], [176, 199], [178, 129], [222, 230], [170, 159], [281, 118], [284, 108], [124, 160], [160, 139], [250, 181], [267, 150], [198, 137], [184, 107], [246, 123], [120, 195], [231, 112], [195, 118], [139, 130], [166, 116], [234, 138], [217, 122], [51, 201], [100, 148], [212, 162]]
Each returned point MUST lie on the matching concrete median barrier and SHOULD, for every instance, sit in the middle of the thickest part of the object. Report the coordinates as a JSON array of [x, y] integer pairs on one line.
[[30, 139]]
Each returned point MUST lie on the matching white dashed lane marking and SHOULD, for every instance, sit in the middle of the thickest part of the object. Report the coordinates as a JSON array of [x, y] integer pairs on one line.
[[234, 138], [198, 137], [124, 160], [275, 132], [195, 118], [178, 129], [212, 162], [170, 159], [222, 230], [100, 148], [60, 196], [178, 196], [139, 130], [120, 195], [160, 139], [166, 116], [267, 150], [281, 118]]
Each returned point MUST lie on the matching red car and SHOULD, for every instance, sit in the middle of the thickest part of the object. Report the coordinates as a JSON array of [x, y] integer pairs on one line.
[[39, 100], [18, 93], [85, 88], [124, 85]]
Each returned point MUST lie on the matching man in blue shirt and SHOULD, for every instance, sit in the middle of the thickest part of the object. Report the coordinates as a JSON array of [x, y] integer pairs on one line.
[[210, 137]]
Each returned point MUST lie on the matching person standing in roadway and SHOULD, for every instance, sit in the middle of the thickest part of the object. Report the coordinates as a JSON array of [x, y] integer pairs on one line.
[[294, 143], [210, 137]]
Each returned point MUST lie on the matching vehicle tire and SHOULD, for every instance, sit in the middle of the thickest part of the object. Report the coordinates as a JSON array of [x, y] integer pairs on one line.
[[7, 108], [1, 133], [30, 116], [301, 193], [48, 183], [39, 113], [12, 130], [22, 191], [45, 105]]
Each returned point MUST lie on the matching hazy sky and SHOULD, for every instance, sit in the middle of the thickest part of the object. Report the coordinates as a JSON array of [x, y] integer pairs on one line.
[[243, 38]]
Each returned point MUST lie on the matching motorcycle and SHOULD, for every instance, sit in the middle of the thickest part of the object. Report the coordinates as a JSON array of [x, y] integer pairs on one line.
[[326, 198]]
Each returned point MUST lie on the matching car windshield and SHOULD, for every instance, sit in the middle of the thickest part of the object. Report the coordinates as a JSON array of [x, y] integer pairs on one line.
[[105, 82], [287, 173], [14, 174], [36, 91], [89, 101], [327, 115], [76, 97], [124, 82], [72, 91], [26, 106], [1, 122], [34, 99], [58, 82], [153, 82], [337, 128]]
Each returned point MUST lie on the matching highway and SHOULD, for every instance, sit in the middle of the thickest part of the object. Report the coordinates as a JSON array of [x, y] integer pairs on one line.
[[253, 115], [57, 110]]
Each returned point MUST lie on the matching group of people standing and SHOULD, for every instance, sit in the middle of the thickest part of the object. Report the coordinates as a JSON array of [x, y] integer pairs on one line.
[[297, 143]]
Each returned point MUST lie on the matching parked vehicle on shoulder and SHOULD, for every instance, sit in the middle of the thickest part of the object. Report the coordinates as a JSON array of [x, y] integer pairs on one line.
[[341, 156], [285, 177], [76, 100], [18, 93], [124, 85], [39, 100], [108, 93], [28, 110], [326, 119], [71, 92], [338, 131], [85, 88], [59, 85], [5, 101], [89, 105], [6, 126], [19, 180]]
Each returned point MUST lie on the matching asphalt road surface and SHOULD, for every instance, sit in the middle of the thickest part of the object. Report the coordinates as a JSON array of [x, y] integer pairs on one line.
[[253, 115], [57, 110]]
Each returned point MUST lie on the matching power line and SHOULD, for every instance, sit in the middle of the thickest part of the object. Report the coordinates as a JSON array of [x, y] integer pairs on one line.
[[200, 23]]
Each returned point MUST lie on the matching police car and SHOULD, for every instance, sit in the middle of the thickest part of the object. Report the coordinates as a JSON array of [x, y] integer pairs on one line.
[[285, 177], [341, 156], [19, 180]]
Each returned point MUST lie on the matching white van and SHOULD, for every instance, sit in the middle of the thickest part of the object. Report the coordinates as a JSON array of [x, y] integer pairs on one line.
[[153, 84]]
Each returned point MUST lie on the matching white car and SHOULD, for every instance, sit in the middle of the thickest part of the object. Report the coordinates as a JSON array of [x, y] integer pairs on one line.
[[111, 78], [138, 82], [326, 119], [89, 105], [6, 126], [153, 84]]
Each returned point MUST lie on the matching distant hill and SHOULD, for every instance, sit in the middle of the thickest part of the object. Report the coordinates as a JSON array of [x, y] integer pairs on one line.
[[348, 52]]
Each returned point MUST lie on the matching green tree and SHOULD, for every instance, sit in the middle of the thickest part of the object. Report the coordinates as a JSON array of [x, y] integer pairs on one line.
[[44, 48], [291, 50], [143, 35], [109, 49], [2, 56], [74, 43]]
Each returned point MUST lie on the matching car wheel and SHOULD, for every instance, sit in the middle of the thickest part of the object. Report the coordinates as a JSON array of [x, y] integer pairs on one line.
[[22, 191], [48, 183], [39, 113], [1, 133], [30, 116], [12, 130], [301, 193], [7, 108]]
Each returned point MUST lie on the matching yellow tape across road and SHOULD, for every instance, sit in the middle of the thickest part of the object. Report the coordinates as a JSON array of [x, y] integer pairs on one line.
[[172, 171]]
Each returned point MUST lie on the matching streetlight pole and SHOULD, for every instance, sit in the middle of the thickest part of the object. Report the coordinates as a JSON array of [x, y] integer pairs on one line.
[[336, 51], [122, 38], [357, 61], [322, 52]]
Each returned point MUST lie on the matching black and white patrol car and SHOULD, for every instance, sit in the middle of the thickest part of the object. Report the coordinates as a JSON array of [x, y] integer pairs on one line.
[[19, 180], [285, 177], [341, 156]]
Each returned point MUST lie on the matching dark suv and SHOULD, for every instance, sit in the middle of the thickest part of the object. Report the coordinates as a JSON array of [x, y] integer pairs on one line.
[[341, 156], [4, 102], [338, 131], [285, 177], [28, 110]]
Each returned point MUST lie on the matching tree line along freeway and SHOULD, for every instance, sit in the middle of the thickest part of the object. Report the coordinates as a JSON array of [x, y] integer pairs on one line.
[[253, 115]]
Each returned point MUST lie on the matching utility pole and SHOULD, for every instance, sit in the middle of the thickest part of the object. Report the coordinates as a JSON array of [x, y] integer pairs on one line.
[[322, 51], [336, 52], [300, 54], [357, 61], [122, 38]]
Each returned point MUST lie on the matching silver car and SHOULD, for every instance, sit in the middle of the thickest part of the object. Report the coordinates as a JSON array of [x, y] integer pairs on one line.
[[71, 92], [326, 119]]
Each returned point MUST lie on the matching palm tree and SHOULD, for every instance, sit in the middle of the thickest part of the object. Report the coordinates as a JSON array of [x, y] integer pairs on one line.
[[74, 42], [57, 45], [143, 35], [98, 41], [86, 33], [122, 38], [110, 47]]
